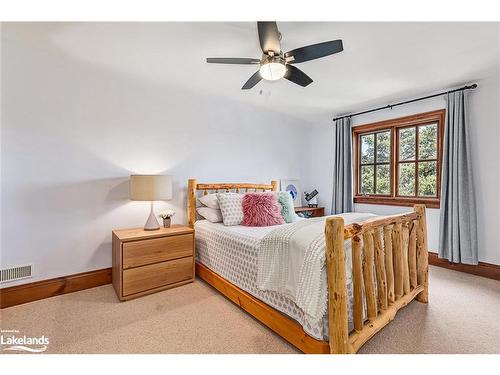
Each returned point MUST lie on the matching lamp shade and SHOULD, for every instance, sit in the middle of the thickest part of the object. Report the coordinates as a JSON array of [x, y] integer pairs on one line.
[[150, 187]]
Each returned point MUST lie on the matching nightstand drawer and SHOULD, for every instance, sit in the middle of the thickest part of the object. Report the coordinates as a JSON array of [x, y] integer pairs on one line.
[[140, 253], [140, 279]]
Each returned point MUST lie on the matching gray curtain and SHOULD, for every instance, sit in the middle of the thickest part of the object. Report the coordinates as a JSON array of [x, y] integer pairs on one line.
[[342, 167], [458, 228]]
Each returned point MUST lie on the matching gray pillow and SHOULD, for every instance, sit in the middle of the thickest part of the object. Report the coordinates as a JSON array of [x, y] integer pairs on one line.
[[230, 207], [211, 214], [210, 200]]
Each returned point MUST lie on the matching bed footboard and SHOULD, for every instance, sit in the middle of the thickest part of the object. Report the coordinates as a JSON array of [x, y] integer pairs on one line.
[[392, 261]]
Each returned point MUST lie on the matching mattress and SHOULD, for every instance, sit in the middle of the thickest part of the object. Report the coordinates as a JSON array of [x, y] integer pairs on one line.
[[232, 252]]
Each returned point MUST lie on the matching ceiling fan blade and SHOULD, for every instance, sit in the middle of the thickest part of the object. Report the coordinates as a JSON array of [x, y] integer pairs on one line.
[[269, 37], [315, 51], [297, 76], [252, 81], [232, 60]]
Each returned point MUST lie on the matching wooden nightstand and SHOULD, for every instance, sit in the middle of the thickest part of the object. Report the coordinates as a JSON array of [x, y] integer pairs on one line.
[[145, 262], [311, 211]]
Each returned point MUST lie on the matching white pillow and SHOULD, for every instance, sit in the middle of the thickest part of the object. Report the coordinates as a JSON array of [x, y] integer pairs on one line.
[[230, 206], [210, 200], [211, 214]]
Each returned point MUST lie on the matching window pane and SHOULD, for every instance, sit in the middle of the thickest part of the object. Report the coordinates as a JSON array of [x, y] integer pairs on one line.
[[406, 181], [383, 179], [383, 147], [427, 179], [407, 144], [367, 148], [367, 179], [427, 141]]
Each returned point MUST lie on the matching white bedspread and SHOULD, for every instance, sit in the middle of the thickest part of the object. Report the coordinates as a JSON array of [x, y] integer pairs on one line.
[[292, 261]]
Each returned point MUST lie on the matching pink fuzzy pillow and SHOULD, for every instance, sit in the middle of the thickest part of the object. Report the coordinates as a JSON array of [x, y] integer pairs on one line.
[[261, 210]]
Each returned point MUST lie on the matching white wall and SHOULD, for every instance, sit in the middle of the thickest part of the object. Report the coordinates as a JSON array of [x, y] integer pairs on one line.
[[72, 133], [485, 125]]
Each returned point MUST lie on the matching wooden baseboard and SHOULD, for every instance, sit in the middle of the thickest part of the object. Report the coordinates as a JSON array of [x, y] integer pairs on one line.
[[20, 294], [491, 271]]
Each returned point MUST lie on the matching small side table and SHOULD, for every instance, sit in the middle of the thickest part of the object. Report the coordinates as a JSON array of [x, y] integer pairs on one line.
[[311, 211], [145, 262]]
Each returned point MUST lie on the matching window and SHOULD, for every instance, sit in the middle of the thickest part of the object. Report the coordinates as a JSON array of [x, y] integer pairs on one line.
[[375, 163], [398, 162]]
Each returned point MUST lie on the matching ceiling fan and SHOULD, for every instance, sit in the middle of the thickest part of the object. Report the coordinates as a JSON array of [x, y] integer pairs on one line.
[[276, 64]]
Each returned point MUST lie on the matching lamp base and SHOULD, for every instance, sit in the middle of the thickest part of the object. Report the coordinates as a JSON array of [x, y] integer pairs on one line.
[[152, 223]]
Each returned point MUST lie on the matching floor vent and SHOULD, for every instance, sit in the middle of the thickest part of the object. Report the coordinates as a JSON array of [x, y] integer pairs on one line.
[[16, 273]]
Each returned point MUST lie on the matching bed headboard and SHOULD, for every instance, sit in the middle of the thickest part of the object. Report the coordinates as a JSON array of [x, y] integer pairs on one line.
[[194, 187]]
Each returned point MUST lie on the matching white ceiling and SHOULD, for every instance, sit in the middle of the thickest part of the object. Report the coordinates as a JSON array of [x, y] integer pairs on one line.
[[381, 62]]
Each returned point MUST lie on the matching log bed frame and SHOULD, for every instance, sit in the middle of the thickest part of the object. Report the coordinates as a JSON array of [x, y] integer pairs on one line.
[[395, 247]]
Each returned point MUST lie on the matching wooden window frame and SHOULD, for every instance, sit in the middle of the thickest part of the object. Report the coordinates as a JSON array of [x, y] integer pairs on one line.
[[395, 125]]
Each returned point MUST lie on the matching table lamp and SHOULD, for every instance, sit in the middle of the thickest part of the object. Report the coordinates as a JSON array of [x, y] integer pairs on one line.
[[151, 188]]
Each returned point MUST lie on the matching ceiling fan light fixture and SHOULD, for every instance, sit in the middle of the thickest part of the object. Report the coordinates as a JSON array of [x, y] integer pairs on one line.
[[272, 71]]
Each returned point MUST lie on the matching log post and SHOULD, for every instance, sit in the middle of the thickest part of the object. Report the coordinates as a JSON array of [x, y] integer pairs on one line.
[[389, 270], [405, 235], [398, 260], [380, 269], [422, 255], [191, 202], [357, 279], [369, 281], [337, 288], [412, 255]]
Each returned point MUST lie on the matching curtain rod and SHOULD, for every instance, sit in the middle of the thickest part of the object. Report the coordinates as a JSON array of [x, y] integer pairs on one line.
[[471, 87]]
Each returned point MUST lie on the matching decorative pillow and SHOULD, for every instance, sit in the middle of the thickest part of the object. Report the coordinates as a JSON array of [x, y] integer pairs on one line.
[[210, 200], [230, 207], [211, 214], [287, 210], [261, 210]]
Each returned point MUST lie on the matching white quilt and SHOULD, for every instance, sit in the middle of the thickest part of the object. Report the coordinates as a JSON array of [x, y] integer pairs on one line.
[[292, 261]]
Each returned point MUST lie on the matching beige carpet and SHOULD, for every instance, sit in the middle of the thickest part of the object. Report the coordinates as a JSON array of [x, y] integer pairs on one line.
[[463, 317]]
